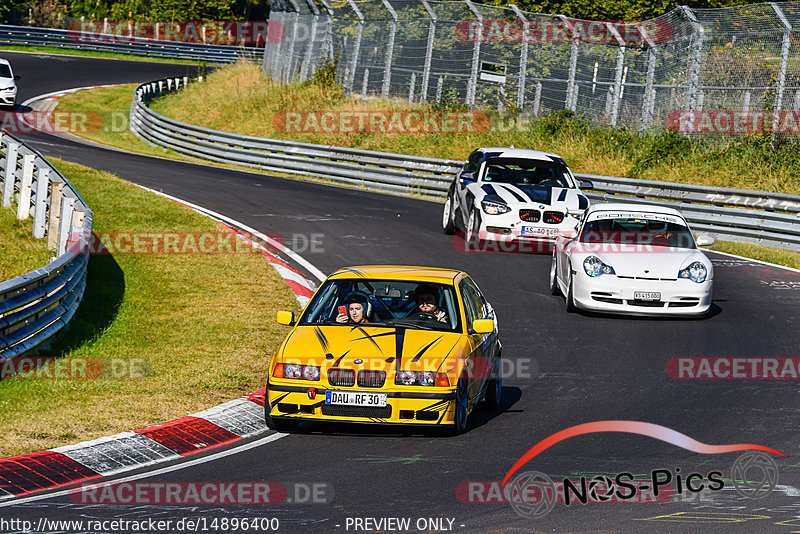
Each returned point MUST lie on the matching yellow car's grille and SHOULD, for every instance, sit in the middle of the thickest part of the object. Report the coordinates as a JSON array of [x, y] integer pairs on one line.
[[341, 377], [357, 411], [371, 379]]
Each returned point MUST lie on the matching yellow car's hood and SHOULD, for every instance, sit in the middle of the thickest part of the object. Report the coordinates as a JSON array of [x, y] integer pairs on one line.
[[377, 347]]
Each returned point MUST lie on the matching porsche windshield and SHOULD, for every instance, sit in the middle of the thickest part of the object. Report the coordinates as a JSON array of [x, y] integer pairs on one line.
[[637, 231], [384, 303], [519, 171]]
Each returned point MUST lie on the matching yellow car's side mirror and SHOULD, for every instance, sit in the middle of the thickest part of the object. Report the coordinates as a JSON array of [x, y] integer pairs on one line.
[[483, 326], [285, 318]]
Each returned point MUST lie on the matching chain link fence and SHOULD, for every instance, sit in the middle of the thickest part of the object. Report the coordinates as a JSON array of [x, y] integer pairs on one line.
[[696, 71]]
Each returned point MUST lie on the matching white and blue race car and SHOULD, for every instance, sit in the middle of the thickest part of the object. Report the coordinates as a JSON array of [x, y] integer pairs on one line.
[[513, 194]]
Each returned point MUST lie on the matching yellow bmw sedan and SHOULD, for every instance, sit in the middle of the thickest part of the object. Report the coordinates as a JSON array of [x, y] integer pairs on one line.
[[387, 345]]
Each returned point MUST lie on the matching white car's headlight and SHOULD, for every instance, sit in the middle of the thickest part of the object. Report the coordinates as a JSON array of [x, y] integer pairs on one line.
[[494, 208], [594, 267], [696, 272]]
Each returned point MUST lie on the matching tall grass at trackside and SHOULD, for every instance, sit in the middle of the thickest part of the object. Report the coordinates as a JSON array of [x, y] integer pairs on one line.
[[239, 98], [200, 328], [19, 251]]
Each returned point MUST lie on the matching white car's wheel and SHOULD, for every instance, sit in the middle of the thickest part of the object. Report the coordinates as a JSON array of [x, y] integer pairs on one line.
[[554, 289], [570, 302], [473, 228], [448, 215]]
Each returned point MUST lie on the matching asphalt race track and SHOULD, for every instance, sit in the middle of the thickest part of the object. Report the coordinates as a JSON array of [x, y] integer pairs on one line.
[[562, 370]]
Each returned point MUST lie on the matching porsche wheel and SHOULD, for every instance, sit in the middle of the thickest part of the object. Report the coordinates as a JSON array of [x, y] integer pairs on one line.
[[448, 216], [554, 289], [569, 300]]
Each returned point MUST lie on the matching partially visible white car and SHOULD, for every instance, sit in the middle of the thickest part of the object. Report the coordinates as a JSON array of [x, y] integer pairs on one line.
[[635, 259], [8, 85]]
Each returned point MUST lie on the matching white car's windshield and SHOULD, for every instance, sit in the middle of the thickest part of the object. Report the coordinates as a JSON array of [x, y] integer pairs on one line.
[[384, 303], [638, 231], [5, 71], [519, 171]]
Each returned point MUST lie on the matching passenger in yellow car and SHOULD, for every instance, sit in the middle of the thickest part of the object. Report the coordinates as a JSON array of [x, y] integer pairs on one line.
[[427, 298], [356, 309]]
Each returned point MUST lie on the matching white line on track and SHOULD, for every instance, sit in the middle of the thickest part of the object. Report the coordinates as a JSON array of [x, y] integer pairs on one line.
[[147, 474], [784, 267]]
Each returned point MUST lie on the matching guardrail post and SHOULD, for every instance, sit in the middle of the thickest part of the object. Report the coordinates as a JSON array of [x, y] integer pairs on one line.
[[649, 103], [696, 61], [364, 83], [746, 101], [350, 77], [56, 193], [426, 69], [40, 210], [387, 72], [571, 99], [797, 100], [440, 89], [472, 84], [12, 153], [783, 66], [411, 87], [24, 204], [616, 98], [65, 223], [289, 63], [523, 56], [537, 99]]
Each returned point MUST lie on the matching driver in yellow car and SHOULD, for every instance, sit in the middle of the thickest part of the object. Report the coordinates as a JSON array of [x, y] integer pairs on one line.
[[427, 298]]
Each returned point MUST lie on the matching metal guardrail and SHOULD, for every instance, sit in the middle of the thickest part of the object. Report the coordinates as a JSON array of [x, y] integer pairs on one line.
[[138, 46], [36, 305], [728, 213]]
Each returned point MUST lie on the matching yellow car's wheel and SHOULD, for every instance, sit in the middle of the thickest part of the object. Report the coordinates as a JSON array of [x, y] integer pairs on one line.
[[278, 425], [462, 407]]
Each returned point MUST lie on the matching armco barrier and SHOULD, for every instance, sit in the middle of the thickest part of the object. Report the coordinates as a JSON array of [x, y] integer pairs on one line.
[[36, 305], [729, 213], [139, 46]]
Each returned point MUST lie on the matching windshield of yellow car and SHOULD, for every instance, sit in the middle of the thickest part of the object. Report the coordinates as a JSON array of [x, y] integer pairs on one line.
[[390, 303]]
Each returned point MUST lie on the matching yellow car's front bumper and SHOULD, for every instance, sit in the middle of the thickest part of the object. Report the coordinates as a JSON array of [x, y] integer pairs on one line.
[[433, 406]]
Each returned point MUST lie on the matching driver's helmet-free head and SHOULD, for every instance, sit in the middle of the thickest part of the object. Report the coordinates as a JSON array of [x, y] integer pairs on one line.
[[427, 290], [361, 298]]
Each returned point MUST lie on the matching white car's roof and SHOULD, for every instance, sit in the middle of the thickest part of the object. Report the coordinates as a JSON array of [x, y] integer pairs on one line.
[[524, 153], [625, 206]]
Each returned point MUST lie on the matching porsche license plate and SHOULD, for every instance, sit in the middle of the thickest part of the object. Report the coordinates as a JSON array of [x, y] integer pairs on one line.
[[532, 231], [646, 295], [355, 398]]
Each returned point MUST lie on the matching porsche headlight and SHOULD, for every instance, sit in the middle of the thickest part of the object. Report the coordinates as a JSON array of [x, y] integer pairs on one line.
[[494, 208], [696, 272], [594, 267]]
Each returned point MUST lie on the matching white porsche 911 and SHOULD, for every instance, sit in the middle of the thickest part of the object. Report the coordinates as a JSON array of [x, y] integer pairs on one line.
[[633, 258], [512, 193]]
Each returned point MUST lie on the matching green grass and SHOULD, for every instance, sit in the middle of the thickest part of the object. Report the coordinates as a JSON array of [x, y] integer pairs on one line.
[[91, 53], [771, 255], [201, 326], [19, 251]]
